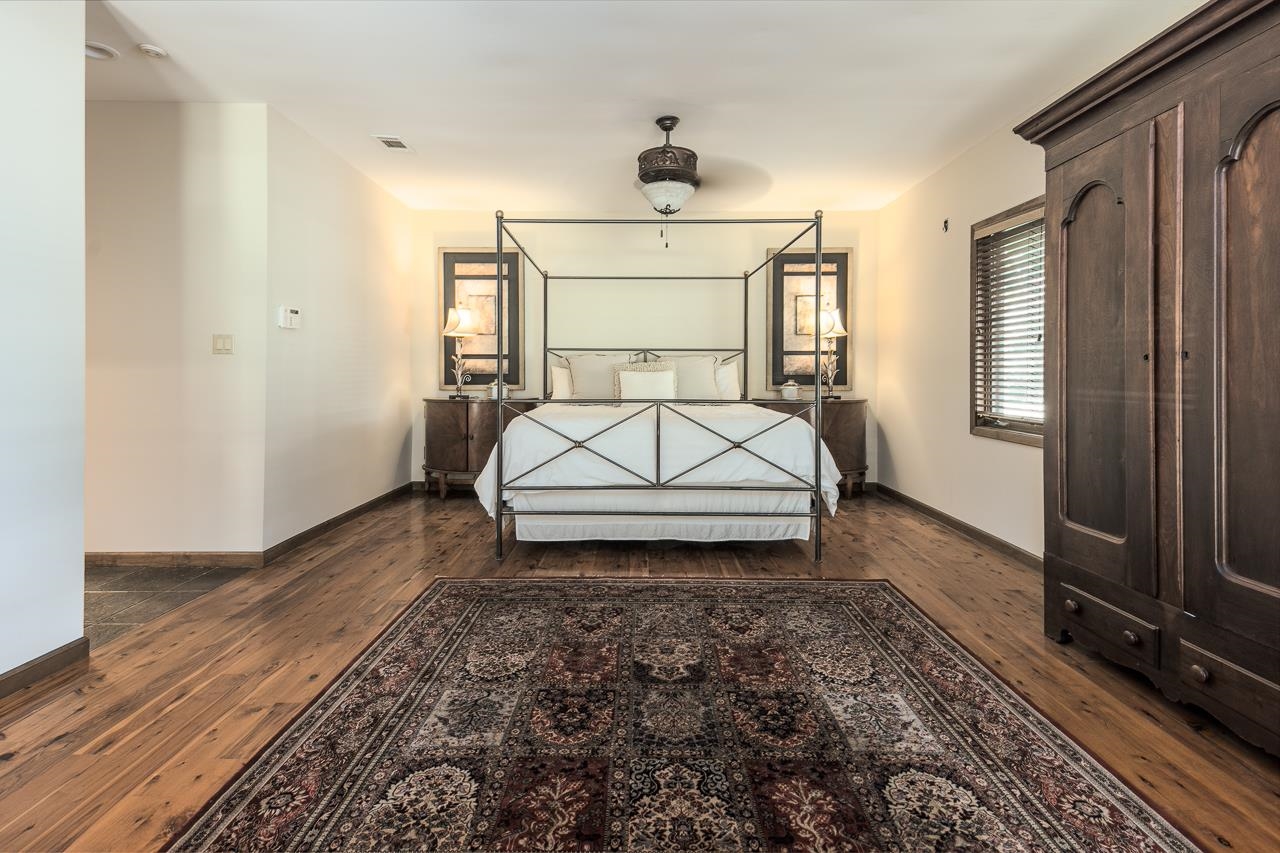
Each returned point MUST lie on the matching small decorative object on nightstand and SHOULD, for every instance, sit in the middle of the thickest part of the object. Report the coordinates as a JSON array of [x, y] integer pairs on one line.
[[459, 325], [844, 430], [459, 436]]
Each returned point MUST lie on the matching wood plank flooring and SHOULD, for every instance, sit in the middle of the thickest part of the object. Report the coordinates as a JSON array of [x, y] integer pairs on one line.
[[119, 753]]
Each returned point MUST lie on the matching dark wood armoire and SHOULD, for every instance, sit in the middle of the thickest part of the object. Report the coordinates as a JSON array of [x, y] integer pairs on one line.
[[1162, 363]]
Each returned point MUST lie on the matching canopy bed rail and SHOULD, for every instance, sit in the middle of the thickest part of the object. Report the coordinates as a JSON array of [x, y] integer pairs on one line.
[[797, 482]]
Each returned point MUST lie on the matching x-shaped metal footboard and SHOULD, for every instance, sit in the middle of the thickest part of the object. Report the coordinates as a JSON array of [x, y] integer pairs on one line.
[[659, 482]]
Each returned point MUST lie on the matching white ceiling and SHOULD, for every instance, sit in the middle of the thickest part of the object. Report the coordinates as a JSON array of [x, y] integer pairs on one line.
[[544, 105]]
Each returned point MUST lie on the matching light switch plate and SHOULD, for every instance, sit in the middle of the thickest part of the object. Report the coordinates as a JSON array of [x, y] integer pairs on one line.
[[222, 345]]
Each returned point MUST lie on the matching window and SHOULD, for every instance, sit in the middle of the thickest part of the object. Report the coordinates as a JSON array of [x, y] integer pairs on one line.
[[1007, 281]]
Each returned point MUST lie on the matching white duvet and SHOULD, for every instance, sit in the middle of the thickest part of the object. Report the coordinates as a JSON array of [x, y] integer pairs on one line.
[[633, 441]]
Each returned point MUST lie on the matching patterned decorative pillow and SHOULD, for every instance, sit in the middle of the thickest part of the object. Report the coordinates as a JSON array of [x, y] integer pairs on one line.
[[638, 367]]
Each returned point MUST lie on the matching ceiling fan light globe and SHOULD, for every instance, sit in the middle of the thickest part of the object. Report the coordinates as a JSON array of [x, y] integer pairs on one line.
[[667, 196]]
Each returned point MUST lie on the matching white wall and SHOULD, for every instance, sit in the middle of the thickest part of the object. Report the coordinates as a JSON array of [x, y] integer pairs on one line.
[[923, 395], [338, 410], [177, 251], [201, 219], [42, 344], [656, 314]]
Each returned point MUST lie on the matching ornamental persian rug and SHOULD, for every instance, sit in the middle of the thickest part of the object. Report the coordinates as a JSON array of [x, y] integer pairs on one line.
[[672, 715]]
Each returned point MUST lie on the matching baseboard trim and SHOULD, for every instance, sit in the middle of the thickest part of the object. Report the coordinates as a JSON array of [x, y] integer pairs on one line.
[[975, 533], [278, 550], [231, 559], [179, 559], [42, 667]]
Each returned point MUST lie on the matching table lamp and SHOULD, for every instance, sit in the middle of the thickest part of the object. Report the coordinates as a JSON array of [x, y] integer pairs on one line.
[[832, 328], [459, 324]]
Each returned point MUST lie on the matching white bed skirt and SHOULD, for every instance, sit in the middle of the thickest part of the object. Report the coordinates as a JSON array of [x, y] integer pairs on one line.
[[553, 528]]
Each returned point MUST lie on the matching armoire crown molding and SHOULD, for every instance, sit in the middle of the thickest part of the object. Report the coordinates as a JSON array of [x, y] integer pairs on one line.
[[1174, 51]]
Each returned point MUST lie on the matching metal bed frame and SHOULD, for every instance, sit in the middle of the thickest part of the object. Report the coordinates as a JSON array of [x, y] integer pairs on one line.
[[658, 482]]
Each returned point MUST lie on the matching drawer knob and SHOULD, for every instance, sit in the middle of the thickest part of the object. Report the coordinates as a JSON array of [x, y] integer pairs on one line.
[[1131, 639], [1199, 673], [1072, 605]]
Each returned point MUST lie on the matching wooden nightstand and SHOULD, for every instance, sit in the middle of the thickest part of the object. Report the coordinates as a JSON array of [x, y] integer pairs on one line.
[[844, 429], [459, 436]]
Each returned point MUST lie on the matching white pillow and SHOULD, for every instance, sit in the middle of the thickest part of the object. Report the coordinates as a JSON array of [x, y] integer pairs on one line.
[[648, 385], [561, 383], [696, 376], [638, 367], [728, 383], [592, 374]]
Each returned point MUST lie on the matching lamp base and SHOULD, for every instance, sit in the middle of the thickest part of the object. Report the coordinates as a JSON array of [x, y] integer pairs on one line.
[[831, 396], [461, 397]]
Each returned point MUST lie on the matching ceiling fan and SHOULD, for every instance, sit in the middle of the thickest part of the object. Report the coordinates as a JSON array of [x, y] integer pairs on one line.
[[668, 175]]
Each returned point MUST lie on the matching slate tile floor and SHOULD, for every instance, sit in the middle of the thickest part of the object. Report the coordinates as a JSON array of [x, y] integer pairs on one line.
[[119, 600]]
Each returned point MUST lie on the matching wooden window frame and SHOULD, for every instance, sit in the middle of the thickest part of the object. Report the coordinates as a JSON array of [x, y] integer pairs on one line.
[[1016, 433]]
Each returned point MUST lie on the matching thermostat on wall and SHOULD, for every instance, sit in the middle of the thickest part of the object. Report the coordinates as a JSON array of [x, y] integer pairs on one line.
[[289, 318]]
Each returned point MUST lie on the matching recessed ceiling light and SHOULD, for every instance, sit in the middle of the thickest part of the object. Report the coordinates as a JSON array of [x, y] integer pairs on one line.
[[98, 50], [153, 51]]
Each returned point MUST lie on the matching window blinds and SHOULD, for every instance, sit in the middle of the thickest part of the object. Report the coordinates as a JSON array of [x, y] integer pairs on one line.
[[1008, 326]]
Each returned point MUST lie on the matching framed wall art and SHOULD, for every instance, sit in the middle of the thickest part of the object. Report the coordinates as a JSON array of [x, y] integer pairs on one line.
[[468, 280], [792, 315]]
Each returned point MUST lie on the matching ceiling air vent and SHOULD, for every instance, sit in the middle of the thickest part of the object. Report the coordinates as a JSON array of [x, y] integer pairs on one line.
[[393, 142]]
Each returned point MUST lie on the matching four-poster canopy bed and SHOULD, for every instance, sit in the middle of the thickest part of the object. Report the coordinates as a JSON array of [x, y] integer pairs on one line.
[[760, 473]]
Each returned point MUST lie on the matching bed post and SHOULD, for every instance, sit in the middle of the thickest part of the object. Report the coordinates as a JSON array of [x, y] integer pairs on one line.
[[746, 349], [817, 387], [546, 376], [498, 330]]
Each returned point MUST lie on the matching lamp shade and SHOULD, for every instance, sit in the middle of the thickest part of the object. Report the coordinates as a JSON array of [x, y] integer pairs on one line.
[[831, 325], [667, 196], [459, 324]]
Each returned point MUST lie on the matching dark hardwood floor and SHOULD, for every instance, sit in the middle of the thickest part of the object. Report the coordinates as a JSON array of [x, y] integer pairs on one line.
[[120, 752]]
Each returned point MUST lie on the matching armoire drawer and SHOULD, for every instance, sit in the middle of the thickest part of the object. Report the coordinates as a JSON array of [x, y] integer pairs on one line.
[[1108, 625], [1252, 695]]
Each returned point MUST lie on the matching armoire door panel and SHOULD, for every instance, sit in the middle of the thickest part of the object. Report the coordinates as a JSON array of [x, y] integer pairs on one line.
[[1167, 192], [1250, 307], [1102, 429], [1093, 414], [1233, 539]]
